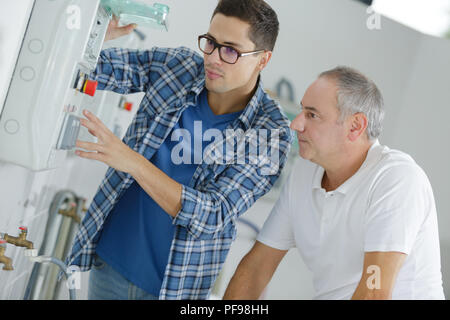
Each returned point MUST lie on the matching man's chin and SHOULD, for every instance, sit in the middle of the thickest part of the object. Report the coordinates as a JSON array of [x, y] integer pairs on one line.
[[304, 155], [213, 87]]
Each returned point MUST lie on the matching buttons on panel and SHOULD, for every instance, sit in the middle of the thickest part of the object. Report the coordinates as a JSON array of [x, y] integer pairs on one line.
[[84, 85]]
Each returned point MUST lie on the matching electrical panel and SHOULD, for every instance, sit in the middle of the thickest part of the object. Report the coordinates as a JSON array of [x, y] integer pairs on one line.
[[39, 119], [14, 18]]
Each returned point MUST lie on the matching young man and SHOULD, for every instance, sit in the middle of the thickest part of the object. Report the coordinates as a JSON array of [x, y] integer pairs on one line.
[[362, 215], [163, 219]]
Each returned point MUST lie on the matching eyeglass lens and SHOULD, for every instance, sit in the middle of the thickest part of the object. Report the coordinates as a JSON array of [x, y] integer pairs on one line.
[[227, 54]]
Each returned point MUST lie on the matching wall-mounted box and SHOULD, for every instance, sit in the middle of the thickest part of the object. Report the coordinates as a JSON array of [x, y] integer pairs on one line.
[[14, 18], [62, 39]]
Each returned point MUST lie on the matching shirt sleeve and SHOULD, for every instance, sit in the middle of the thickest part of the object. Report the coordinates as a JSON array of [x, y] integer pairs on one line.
[[211, 212], [277, 230], [128, 71], [124, 71], [399, 202]]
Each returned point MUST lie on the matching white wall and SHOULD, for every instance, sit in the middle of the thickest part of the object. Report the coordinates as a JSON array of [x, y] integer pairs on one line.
[[422, 130], [410, 69]]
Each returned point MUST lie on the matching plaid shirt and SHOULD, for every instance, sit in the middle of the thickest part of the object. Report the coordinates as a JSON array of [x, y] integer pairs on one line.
[[217, 194]]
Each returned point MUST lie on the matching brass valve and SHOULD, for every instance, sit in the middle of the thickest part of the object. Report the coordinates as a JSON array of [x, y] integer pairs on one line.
[[21, 240], [71, 212]]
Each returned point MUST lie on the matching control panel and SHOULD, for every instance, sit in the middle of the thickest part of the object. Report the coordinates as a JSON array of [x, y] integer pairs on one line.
[[40, 117]]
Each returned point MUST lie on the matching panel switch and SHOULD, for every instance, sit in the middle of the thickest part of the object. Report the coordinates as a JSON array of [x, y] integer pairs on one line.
[[69, 133], [83, 84]]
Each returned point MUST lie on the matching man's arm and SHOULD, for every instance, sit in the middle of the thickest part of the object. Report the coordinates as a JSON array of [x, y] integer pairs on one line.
[[113, 152], [121, 70], [202, 213], [379, 275], [163, 189], [254, 272]]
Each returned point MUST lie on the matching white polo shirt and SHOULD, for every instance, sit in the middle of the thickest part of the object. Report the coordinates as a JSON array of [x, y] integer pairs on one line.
[[387, 205]]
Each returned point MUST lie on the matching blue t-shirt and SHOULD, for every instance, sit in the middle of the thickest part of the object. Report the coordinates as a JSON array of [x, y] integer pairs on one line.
[[137, 235]]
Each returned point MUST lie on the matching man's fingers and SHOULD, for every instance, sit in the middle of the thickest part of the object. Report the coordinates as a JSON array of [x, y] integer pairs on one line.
[[94, 124], [89, 146], [92, 127], [126, 29], [90, 155], [92, 117], [114, 31]]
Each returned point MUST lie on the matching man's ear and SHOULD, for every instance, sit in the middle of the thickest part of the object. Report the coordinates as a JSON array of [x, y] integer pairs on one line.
[[358, 125], [264, 60]]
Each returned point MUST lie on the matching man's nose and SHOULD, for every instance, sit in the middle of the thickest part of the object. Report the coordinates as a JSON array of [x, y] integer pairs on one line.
[[298, 124], [214, 57]]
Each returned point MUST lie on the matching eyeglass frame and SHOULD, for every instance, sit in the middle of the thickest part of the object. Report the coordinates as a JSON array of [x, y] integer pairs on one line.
[[219, 46]]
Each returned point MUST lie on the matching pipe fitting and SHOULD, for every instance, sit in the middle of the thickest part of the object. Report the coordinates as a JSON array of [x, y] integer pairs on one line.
[[7, 262]]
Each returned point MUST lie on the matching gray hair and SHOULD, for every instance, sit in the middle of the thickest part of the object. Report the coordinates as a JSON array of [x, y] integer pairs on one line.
[[358, 94]]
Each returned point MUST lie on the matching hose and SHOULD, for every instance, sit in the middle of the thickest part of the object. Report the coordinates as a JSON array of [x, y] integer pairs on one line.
[[61, 265]]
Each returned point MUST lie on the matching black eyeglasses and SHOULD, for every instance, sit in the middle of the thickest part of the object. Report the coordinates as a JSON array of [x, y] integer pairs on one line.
[[227, 54]]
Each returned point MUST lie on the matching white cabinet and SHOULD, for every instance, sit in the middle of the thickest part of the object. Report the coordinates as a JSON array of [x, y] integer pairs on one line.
[[40, 117]]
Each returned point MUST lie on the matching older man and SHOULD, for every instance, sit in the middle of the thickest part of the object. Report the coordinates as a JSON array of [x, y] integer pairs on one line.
[[362, 215]]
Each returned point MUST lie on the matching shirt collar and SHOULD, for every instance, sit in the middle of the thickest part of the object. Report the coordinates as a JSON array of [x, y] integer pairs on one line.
[[372, 157], [250, 111], [317, 179]]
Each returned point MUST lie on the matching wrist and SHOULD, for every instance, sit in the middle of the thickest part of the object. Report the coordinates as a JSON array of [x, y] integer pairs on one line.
[[136, 165]]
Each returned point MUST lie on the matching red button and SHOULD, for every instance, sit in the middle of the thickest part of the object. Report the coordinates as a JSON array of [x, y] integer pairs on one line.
[[128, 106], [90, 87]]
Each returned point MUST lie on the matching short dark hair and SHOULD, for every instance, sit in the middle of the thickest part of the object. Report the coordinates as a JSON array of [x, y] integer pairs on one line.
[[263, 20]]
